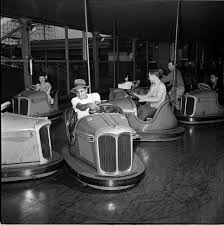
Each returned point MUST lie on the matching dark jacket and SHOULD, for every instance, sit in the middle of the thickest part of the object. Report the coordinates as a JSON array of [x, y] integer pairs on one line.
[[219, 88]]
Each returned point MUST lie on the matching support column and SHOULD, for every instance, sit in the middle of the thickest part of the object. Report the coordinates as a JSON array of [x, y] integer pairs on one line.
[[114, 55], [96, 60], [84, 36], [133, 58], [67, 60], [26, 50], [147, 59], [117, 59]]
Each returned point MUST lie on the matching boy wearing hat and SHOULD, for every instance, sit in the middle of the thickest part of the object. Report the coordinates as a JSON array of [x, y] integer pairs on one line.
[[84, 102]]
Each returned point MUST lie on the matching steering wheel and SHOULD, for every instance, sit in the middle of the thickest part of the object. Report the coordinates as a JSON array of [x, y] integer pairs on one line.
[[31, 87], [132, 95], [5, 105], [70, 118], [106, 108], [204, 86]]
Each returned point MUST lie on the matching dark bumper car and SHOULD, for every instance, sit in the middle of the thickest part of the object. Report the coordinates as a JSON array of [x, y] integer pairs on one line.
[[36, 104], [26, 151], [100, 150], [200, 106]]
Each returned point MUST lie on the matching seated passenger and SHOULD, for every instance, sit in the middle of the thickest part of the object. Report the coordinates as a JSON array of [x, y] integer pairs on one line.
[[217, 86], [44, 86], [127, 85], [84, 102], [153, 99]]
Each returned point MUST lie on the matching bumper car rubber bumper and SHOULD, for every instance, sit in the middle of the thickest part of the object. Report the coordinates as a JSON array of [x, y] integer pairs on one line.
[[55, 115], [89, 176], [33, 171], [200, 119], [161, 135]]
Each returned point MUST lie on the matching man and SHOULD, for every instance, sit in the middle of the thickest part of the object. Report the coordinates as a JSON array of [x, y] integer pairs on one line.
[[217, 86], [155, 96], [177, 88], [84, 102]]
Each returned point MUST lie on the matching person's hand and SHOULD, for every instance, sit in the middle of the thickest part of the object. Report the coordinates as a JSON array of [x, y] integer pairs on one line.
[[31, 87], [142, 99], [93, 106]]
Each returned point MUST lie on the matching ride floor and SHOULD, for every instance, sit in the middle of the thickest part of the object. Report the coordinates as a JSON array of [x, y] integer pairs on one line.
[[183, 183]]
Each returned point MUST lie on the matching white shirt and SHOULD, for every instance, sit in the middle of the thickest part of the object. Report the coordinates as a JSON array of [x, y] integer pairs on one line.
[[46, 87], [156, 94], [125, 85], [90, 99]]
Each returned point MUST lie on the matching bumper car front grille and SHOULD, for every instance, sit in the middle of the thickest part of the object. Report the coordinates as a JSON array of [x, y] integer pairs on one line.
[[15, 105], [115, 160], [190, 106], [45, 143], [187, 105], [23, 106]]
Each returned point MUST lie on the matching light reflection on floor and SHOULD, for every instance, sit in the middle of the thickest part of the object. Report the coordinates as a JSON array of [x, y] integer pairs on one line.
[[183, 183]]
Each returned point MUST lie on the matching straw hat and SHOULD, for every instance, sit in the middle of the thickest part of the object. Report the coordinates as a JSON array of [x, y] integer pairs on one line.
[[78, 84]]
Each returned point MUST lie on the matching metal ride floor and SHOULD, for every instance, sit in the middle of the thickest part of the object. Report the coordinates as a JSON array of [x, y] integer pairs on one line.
[[183, 183]]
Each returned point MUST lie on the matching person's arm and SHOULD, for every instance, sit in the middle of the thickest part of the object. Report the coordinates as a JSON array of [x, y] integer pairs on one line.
[[96, 98], [76, 104], [37, 88], [144, 98], [161, 92], [84, 107], [159, 96], [48, 88]]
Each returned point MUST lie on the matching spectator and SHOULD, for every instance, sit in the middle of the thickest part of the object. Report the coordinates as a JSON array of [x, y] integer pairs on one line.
[[176, 89]]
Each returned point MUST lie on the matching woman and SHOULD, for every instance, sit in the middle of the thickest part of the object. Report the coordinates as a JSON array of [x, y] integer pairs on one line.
[[44, 86], [127, 85]]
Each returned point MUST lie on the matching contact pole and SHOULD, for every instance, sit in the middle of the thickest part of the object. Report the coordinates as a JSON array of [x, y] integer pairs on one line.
[[175, 53], [87, 45]]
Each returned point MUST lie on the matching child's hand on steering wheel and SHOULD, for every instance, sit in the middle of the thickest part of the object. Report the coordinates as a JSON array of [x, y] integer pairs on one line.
[[93, 106]]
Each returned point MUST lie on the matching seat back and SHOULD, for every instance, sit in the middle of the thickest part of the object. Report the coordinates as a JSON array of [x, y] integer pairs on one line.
[[163, 119]]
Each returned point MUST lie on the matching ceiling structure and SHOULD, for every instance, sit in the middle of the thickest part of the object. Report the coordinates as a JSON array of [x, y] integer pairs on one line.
[[153, 20]]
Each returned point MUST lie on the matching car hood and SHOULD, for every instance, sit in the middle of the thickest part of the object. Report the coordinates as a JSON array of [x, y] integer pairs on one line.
[[32, 94], [202, 93], [93, 123], [14, 122]]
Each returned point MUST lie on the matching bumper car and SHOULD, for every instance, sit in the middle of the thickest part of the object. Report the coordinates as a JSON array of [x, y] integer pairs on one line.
[[100, 150], [118, 93], [26, 151], [35, 103], [163, 126], [200, 106]]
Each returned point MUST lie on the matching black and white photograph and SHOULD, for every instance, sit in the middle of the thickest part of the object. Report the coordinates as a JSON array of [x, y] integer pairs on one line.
[[112, 112]]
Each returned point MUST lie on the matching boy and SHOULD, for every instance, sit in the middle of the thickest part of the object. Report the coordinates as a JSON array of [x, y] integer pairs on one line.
[[84, 102]]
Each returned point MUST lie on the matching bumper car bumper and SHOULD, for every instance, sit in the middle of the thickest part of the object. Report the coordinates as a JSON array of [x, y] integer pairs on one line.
[[89, 176], [53, 116], [33, 171], [200, 119], [161, 135]]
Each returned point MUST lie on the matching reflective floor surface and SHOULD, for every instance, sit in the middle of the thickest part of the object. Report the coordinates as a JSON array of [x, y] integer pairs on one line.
[[183, 183]]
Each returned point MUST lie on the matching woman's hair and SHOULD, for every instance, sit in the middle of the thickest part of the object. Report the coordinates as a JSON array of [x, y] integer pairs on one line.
[[44, 76], [214, 74]]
